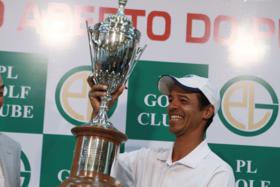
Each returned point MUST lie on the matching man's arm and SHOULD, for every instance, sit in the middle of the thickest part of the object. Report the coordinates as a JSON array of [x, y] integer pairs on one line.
[[17, 164], [128, 165], [123, 171], [223, 178]]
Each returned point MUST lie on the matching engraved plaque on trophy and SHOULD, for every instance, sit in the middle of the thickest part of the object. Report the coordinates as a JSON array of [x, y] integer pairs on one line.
[[114, 51]]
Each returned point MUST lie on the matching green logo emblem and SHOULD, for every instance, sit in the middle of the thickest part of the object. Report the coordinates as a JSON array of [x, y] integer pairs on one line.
[[71, 96], [249, 105]]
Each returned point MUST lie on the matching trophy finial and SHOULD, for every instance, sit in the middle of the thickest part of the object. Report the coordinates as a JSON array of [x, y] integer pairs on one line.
[[122, 4]]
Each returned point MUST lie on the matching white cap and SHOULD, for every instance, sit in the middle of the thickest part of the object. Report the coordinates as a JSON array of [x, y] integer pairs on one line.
[[192, 83]]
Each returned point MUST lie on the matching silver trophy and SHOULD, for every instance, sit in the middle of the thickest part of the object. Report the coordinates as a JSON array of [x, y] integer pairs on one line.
[[114, 52]]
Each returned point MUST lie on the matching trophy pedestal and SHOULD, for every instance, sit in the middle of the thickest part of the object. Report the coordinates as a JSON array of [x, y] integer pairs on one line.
[[95, 151]]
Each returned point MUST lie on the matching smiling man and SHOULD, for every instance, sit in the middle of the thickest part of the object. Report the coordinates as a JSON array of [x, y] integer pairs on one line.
[[193, 102], [9, 155]]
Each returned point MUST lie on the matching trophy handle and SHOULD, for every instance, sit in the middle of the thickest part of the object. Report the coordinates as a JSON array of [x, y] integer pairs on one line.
[[90, 46], [138, 53]]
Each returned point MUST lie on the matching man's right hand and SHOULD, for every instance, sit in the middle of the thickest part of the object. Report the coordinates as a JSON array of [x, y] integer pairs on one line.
[[97, 91]]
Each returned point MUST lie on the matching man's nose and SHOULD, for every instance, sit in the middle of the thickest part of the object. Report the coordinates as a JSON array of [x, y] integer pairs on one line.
[[173, 104]]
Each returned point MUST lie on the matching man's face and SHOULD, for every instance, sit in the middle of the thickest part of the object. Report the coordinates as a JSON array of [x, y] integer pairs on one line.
[[184, 112], [1, 92]]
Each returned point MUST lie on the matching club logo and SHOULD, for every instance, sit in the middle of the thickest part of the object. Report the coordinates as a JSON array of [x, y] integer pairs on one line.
[[249, 105], [71, 96]]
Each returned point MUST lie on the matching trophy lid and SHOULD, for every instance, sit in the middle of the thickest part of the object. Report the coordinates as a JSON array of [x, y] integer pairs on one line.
[[119, 23]]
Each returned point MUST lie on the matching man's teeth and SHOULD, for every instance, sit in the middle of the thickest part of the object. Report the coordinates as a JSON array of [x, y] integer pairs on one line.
[[175, 117]]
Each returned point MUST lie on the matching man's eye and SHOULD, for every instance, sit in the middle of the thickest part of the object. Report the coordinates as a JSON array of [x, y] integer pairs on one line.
[[184, 101], [170, 99]]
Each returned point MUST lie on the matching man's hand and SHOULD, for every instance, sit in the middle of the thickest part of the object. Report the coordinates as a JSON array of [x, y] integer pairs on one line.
[[97, 91]]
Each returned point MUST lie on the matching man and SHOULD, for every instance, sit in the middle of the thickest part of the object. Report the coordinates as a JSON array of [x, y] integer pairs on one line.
[[193, 102], [9, 156]]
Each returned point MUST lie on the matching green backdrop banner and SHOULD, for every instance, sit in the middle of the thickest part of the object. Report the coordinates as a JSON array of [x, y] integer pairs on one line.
[[45, 61]]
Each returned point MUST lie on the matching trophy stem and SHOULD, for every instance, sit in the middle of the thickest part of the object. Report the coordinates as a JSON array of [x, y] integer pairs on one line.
[[101, 118]]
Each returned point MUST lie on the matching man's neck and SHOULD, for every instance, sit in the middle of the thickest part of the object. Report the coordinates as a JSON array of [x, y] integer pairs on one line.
[[183, 145]]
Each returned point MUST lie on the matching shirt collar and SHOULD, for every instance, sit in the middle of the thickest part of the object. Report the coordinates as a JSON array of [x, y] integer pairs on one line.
[[191, 160]]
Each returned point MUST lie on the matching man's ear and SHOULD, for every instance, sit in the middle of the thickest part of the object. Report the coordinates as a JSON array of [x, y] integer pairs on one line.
[[208, 112]]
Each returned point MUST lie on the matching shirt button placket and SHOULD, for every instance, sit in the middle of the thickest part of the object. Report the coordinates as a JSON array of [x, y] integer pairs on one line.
[[166, 176]]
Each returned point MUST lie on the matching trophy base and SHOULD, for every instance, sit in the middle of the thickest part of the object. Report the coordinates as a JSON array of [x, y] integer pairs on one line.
[[96, 180], [95, 150]]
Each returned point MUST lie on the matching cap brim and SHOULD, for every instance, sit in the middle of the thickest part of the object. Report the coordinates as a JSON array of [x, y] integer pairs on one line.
[[166, 83]]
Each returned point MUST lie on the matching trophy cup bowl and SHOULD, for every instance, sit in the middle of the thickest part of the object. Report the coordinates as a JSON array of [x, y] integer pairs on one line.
[[114, 51]]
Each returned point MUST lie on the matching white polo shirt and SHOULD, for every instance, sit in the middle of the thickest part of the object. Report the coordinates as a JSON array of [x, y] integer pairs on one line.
[[154, 168]]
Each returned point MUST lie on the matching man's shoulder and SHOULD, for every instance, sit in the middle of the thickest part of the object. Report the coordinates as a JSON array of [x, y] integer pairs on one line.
[[147, 151], [9, 142], [217, 162], [143, 153]]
